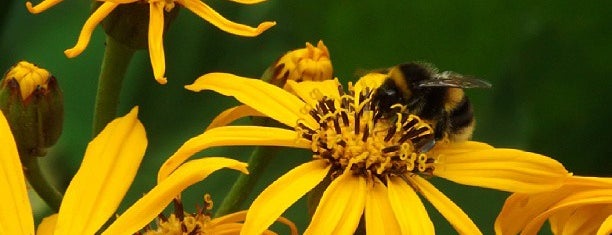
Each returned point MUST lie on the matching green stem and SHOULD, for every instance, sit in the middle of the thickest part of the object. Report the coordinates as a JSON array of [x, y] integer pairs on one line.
[[116, 60], [260, 159], [39, 183]]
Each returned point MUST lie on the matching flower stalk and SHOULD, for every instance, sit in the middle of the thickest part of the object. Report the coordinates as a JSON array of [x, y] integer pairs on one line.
[[116, 60], [43, 187]]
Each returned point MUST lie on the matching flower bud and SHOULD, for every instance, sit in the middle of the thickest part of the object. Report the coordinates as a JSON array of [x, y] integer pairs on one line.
[[32, 102], [304, 64], [129, 23]]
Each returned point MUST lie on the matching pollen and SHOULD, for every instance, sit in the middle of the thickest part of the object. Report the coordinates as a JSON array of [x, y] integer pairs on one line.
[[29, 77], [355, 135]]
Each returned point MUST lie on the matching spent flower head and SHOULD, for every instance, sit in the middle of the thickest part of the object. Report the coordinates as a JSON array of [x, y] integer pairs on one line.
[[156, 25], [376, 166]]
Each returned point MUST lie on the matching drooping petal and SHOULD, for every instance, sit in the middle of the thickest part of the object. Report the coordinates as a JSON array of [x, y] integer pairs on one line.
[[216, 19], [379, 216], [156, 40], [89, 27], [408, 208], [312, 91], [281, 194], [264, 97], [341, 206], [47, 225], [503, 169], [43, 6], [582, 220], [16, 212], [453, 213], [149, 206], [232, 114], [230, 136], [107, 171], [606, 227], [586, 197]]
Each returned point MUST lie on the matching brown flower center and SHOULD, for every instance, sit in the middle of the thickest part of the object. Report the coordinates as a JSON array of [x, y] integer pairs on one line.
[[353, 134]]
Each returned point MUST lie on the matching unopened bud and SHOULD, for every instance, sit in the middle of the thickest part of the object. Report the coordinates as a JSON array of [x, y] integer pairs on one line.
[[32, 102], [305, 64]]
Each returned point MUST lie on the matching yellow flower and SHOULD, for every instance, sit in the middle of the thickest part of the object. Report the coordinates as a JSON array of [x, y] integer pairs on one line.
[[108, 169], [156, 25], [376, 167], [583, 205], [200, 222]]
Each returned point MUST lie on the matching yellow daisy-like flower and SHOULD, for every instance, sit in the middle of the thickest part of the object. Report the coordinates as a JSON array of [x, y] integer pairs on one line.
[[108, 169], [376, 166], [583, 205], [156, 25], [200, 222]]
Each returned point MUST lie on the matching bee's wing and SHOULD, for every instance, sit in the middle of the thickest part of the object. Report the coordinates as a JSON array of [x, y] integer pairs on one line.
[[450, 79]]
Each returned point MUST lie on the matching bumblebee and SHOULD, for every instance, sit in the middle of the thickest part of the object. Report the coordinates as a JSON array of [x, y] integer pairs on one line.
[[436, 97]]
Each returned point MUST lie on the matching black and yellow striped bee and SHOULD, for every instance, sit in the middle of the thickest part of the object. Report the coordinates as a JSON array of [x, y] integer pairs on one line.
[[436, 97]]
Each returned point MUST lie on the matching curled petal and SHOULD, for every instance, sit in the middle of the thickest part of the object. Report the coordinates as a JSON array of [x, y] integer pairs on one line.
[[210, 15], [341, 206], [232, 114], [43, 6], [263, 97], [582, 220], [503, 169], [281, 194], [606, 226], [408, 208], [312, 91], [453, 213], [16, 212], [88, 28], [107, 171], [248, 1], [149, 206], [156, 44], [230, 136]]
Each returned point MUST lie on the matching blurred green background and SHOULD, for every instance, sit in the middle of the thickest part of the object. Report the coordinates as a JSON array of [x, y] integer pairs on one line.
[[549, 63]]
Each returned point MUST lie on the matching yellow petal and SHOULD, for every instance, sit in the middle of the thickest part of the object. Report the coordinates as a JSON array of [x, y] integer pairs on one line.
[[248, 1], [312, 91], [264, 97], [223, 229], [210, 15], [16, 212], [107, 171], [408, 208], [606, 227], [457, 218], [156, 44], [459, 147], [47, 225], [503, 169], [121, 1], [341, 206], [241, 216], [43, 6], [281, 194], [232, 114], [88, 28], [149, 206], [369, 81], [586, 197], [379, 217], [230, 136], [581, 220]]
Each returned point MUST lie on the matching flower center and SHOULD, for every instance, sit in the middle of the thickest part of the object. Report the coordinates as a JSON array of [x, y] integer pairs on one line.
[[181, 222], [353, 135]]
